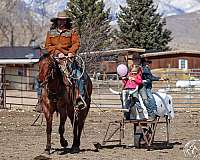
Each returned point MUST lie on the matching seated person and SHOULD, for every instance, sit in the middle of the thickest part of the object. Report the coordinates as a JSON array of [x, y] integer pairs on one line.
[[146, 89], [130, 92], [63, 41]]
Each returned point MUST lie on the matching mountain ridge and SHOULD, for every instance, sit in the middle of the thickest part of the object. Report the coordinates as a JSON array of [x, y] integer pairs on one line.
[[165, 7], [180, 16], [185, 31]]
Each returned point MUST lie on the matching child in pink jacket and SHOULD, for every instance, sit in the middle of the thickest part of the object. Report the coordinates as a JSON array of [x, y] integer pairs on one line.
[[134, 78], [130, 83]]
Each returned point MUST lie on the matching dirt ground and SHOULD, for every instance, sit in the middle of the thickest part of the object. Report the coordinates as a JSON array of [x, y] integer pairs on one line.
[[20, 140]]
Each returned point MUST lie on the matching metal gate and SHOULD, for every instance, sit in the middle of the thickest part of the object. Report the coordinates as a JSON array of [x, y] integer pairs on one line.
[[17, 89]]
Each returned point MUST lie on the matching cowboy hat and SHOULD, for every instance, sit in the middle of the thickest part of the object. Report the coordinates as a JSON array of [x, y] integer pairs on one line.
[[61, 15]]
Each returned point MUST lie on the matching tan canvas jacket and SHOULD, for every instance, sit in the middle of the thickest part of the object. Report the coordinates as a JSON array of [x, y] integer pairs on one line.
[[65, 42]]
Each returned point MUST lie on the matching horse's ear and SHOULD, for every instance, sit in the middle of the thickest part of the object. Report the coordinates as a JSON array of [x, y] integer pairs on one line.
[[45, 54]]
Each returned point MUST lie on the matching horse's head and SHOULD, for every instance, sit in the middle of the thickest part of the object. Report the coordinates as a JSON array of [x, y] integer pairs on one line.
[[49, 70]]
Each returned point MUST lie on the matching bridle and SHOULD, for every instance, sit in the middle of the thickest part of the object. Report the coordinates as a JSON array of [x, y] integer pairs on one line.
[[53, 73], [52, 69]]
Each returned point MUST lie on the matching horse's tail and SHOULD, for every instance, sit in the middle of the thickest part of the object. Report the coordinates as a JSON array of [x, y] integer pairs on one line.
[[57, 112]]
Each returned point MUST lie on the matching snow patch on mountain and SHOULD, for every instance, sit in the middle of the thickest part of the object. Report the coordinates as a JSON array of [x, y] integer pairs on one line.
[[177, 7], [47, 8], [165, 7]]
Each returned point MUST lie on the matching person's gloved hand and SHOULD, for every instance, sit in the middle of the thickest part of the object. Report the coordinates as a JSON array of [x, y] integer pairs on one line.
[[146, 81], [61, 56], [56, 52], [161, 79], [70, 54]]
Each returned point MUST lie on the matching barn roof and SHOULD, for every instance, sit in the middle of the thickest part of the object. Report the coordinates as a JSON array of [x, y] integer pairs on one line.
[[19, 53], [125, 51], [177, 52]]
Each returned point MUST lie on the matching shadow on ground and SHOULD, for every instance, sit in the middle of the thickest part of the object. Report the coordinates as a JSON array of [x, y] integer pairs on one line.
[[157, 145]]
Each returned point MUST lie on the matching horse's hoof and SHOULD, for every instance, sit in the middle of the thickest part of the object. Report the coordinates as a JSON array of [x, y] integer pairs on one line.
[[64, 143], [47, 151], [75, 150]]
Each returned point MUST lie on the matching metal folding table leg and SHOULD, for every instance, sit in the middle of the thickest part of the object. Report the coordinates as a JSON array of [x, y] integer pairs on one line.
[[167, 128], [148, 138], [105, 140]]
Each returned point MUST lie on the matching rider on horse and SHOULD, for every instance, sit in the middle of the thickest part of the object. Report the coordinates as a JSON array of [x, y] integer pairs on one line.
[[62, 41]]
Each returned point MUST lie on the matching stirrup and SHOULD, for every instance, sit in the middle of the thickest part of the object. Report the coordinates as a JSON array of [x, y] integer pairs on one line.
[[82, 99]]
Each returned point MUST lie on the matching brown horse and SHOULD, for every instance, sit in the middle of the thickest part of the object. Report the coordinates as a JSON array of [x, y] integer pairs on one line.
[[59, 94]]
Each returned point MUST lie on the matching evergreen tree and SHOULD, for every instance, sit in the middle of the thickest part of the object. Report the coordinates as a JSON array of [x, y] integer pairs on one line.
[[92, 22], [142, 27]]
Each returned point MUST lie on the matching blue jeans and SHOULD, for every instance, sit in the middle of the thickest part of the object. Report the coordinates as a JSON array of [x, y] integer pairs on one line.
[[148, 100], [37, 88], [76, 72]]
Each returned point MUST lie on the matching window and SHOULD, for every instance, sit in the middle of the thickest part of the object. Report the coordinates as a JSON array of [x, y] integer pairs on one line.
[[183, 64]]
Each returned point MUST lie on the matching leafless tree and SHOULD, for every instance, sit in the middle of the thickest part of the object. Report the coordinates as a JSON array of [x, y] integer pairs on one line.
[[18, 26], [94, 36], [6, 21]]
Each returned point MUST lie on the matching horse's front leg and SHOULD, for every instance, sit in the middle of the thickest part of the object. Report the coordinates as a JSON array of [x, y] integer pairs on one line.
[[78, 127], [63, 117], [49, 118], [74, 122], [76, 143]]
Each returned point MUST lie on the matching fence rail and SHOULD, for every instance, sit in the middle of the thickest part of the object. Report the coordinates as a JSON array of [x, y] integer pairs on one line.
[[18, 91]]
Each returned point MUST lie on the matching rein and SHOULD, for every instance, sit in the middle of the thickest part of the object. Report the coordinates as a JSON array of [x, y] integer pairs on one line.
[[56, 71], [53, 71], [45, 82]]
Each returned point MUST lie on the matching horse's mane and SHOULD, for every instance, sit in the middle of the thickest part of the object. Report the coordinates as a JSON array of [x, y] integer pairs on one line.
[[49, 65], [44, 55]]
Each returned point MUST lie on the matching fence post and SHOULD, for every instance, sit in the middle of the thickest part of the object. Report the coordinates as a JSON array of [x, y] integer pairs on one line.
[[3, 88]]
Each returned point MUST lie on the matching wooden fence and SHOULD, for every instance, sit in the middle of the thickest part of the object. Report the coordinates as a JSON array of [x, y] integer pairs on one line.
[[18, 92]]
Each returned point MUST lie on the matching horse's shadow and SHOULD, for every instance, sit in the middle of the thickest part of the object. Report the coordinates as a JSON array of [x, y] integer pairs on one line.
[[157, 145], [63, 151], [59, 151]]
